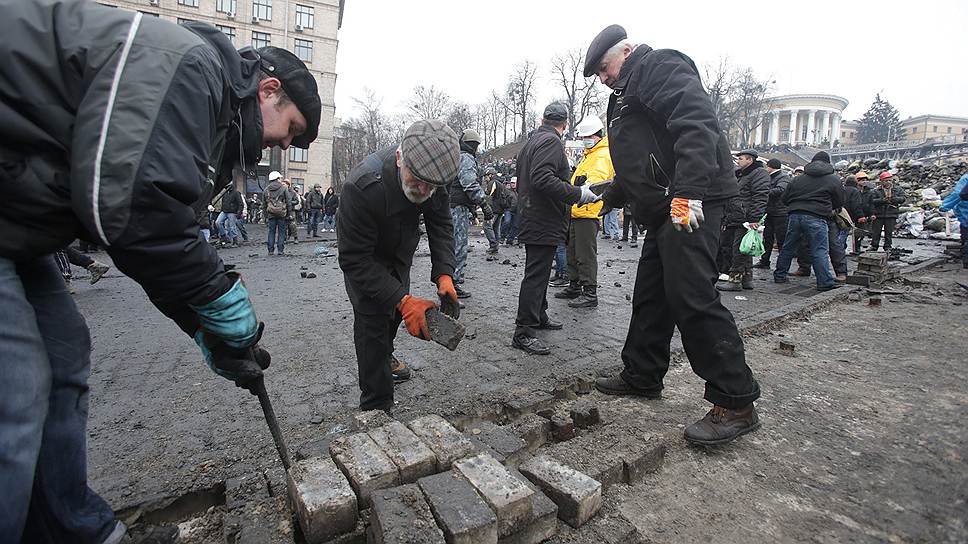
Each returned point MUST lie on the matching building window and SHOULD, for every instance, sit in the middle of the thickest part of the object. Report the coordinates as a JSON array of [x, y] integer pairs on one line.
[[934, 128], [228, 31], [949, 130], [305, 16], [189, 3], [261, 39], [225, 6], [183, 21], [262, 9], [914, 130], [298, 154], [304, 50]]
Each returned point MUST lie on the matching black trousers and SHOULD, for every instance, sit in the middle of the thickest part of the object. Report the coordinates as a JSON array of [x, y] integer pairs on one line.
[[740, 263], [533, 296], [373, 336], [775, 229], [627, 222], [887, 225], [675, 287]]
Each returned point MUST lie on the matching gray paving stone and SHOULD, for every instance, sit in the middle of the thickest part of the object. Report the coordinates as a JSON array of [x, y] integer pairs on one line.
[[401, 515], [447, 443], [562, 426], [584, 413], [371, 419], [506, 445], [508, 496], [527, 403], [578, 496], [533, 429], [459, 510], [411, 456], [364, 464], [540, 526], [610, 454], [444, 329], [322, 499]]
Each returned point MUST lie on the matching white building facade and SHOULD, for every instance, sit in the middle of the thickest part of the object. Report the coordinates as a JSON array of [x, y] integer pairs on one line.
[[805, 119]]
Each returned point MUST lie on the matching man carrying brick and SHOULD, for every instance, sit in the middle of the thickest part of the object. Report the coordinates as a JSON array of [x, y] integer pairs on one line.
[[377, 232], [672, 162]]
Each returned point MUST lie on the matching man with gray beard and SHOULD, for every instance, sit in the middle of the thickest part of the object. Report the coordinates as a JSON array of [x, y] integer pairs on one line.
[[377, 232]]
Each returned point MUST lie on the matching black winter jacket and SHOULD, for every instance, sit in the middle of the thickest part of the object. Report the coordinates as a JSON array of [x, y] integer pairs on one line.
[[377, 234], [854, 202], [884, 206], [753, 184], [172, 136], [664, 138], [544, 193], [315, 200], [331, 204], [232, 201], [816, 192], [779, 181]]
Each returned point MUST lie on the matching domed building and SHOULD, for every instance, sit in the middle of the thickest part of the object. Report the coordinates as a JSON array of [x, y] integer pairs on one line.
[[808, 119]]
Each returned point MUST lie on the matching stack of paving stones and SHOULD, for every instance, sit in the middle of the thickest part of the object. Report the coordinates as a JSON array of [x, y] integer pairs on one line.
[[873, 267], [425, 481]]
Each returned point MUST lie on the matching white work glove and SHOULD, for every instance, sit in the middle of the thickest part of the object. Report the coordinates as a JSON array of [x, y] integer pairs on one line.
[[587, 196], [686, 214]]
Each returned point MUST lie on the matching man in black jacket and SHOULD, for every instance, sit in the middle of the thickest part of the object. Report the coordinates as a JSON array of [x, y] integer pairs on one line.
[[811, 198], [886, 201], [315, 202], [377, 233], [672, 163], [545, 197], [227, 222], [330, 205], [776, 213], [748, 207], [99, 152]]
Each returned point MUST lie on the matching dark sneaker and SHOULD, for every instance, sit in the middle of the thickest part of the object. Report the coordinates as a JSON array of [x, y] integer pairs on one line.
[[570, 292], [761, 264], [558, 281], [784, 279], [616, 385], [97, 270], [491, 250], [729, 286], [399, 369], [530, 345], [722, 426], [829, 287], [461, 293], [550, 325], [584, 301]]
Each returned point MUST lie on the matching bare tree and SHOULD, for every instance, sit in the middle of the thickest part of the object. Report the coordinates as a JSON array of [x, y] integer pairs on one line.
[[721, 80], [582, 95], [749, 104], [459, 117], [372, 121], [520, 93], [429, 103]]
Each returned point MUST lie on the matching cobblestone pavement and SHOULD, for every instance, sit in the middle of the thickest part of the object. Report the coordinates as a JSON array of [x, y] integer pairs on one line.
[[163, 423]]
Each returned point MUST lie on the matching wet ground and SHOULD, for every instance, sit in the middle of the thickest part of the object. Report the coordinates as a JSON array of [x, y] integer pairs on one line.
[[162, 423]]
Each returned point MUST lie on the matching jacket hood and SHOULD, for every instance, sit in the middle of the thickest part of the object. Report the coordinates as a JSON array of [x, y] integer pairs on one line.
[[818, 169], [274, 186]]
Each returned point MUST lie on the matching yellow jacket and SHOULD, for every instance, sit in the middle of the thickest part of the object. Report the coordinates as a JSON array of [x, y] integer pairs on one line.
[[597, 167]]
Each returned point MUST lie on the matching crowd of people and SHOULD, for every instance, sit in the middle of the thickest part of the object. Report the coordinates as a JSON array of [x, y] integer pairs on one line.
[[663, 160]]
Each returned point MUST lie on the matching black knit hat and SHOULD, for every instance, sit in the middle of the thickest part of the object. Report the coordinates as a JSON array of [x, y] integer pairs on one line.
[[300, 86], [774, 164], [821, 156]]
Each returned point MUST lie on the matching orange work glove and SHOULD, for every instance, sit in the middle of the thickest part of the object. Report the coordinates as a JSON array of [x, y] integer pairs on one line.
[[412, 309], [445, 288], [686, 214]]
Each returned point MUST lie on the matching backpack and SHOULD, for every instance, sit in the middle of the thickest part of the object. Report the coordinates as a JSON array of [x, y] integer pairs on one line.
[[277, 206]]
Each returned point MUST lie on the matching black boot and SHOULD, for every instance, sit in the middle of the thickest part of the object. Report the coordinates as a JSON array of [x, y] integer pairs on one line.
[[572, 291], [588, 298], [734, 283], [747, 280]]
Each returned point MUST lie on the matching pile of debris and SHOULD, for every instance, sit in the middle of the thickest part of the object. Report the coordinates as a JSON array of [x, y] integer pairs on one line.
[[873, 268], [925, 186]]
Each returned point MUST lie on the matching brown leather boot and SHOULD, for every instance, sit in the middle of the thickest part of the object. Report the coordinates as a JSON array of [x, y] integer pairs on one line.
[[399, 370], [722, 426]]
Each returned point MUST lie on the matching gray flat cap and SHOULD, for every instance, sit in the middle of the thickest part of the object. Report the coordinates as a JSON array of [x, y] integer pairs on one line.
[[431, 151], [556, 111], [600, 45], [750, 152]]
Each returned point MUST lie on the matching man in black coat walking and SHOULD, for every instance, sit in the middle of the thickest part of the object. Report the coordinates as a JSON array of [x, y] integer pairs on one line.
[[776, 213], [672, 162], [545, 196], [377, 233], [748, 207]]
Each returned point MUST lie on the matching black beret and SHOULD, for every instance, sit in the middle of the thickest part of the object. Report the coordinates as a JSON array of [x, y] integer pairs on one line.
[[600, 45], [299, 85]]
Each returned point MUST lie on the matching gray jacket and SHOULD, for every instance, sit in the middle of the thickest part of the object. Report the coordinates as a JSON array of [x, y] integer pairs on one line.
[[112, 128]]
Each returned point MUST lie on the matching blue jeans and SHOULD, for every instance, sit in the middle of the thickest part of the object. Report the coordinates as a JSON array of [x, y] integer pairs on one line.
[[314, 216], [509, 231], [227, 226], [611, 223], [329, 221], [46, 361], [276, 228], [561, 261], [814, 230]]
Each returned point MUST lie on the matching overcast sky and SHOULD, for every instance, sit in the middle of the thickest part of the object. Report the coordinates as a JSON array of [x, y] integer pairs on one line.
[[913, 53]]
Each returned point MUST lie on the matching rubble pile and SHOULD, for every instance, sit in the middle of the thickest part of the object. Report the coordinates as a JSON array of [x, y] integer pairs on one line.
[[925, 186]]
